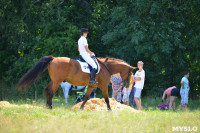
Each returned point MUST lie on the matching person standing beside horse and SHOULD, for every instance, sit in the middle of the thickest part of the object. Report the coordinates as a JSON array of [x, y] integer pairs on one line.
[[127, 91], [67, 86], [133, 104], [184, 90], [139, 84], [86, 54], [116, 81]]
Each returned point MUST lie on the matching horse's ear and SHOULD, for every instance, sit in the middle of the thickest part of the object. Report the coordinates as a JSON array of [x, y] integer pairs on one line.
[[132, 68]]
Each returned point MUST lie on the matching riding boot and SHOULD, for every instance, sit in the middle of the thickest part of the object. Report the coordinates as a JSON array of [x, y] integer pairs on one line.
[[92, 76]]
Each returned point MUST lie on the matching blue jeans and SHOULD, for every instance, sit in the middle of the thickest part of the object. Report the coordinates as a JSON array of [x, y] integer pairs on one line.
[[132, 98], [138, 92]]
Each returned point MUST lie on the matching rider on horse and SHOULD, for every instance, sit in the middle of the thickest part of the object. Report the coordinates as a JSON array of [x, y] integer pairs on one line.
[[86, 54]]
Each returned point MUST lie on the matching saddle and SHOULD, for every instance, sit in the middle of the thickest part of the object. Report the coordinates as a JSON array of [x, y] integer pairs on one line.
[[85, 67]]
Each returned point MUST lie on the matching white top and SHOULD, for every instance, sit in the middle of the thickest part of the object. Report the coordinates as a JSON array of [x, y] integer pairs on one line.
[[82, 42], [140, 84]]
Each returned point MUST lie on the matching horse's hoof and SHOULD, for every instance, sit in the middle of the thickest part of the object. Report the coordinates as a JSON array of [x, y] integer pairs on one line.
[[48, 106]]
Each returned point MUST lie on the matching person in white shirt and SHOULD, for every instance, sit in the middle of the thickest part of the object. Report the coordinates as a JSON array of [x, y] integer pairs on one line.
[[139, 84], [65, 86], [86, 54]]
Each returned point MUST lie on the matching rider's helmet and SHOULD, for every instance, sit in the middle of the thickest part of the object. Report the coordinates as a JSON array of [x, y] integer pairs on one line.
[[83, 30]]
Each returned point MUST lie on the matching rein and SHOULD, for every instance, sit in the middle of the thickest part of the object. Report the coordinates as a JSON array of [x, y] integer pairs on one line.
[[125, 82], [104, 65]]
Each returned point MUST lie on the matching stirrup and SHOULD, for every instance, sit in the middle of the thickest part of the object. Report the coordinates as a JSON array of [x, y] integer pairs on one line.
[[93, 82]]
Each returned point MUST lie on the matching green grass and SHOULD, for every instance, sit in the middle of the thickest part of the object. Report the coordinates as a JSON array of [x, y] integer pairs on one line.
[[61, 119]]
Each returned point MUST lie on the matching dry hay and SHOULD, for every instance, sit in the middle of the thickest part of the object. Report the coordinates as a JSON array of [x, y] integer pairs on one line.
[[4, 103], [97, 104], [7, 104]]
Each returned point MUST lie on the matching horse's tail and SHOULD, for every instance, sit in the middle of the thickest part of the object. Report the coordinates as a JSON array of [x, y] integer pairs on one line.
[[34, 73]]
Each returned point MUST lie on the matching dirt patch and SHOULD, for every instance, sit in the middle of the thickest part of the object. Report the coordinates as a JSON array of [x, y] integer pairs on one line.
[[97, 104], [7, 104]]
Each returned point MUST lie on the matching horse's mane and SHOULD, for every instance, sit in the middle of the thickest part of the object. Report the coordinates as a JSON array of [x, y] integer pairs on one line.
[[113, 59]]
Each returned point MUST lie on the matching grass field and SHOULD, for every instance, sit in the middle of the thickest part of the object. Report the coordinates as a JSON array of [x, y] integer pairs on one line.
[[63, 120]]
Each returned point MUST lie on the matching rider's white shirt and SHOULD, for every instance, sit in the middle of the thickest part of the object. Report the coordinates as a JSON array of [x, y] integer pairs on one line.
[[82, 42]]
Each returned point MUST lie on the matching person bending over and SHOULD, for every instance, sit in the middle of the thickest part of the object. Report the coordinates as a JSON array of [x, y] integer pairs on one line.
[[172, 93]]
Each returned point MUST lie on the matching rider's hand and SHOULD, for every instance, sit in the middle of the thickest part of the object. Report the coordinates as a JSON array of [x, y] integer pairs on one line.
[[92, 54]]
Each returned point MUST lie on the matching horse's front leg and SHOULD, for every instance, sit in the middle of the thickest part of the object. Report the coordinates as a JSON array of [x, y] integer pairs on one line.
[[88, 93], [104, 90]]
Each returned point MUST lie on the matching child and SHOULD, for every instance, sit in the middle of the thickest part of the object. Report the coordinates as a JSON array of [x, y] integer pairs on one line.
[[127, 91], [171, 93]]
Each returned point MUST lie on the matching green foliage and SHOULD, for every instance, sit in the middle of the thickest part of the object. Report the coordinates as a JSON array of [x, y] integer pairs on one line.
[[155, 32], [164, 34]]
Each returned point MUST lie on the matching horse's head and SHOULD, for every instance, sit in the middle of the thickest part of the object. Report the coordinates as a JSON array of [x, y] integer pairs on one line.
[[126, 75], [119, 66]]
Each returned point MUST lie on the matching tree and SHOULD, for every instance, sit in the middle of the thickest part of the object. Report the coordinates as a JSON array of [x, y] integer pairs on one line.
[[155, 32]]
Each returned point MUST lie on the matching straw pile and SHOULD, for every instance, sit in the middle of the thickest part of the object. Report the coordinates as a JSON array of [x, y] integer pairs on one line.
[[7, 104], [97, 104], [4, 104]]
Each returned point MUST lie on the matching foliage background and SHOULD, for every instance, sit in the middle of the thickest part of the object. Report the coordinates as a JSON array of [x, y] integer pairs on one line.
[[165, 34]]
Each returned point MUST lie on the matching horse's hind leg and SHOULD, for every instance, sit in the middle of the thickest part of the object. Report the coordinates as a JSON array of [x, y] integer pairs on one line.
[[50, 91], [88, 93], [49, 95]]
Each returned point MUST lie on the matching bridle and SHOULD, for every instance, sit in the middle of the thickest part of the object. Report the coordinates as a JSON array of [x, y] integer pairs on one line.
[[126, 81], [103, 65]]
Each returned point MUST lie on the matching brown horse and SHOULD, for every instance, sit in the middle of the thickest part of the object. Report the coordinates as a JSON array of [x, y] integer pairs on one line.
[[63, 68]]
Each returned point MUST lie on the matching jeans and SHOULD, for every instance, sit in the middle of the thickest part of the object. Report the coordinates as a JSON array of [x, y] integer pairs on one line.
[[132, 98], [138, 92], [126, 94], [118, 97]]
